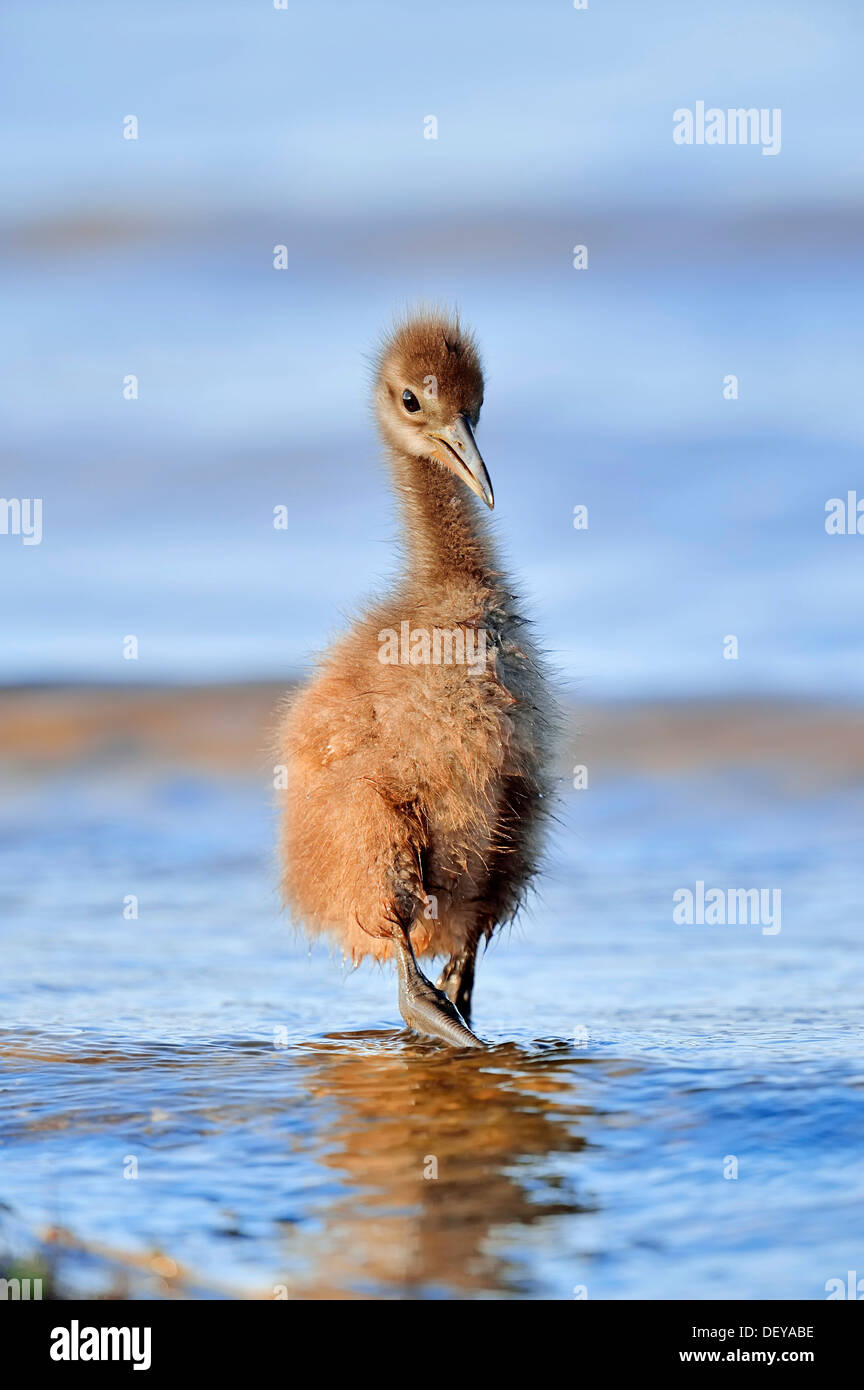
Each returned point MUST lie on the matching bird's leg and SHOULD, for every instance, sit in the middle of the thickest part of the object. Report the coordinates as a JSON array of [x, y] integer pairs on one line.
[[457, 977], [423, 1007]]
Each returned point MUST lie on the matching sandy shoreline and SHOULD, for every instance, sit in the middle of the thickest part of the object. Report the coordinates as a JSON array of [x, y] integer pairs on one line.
[[229, 728]]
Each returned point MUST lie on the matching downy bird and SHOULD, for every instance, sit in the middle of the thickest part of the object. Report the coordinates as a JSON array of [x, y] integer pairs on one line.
[[418, 755]]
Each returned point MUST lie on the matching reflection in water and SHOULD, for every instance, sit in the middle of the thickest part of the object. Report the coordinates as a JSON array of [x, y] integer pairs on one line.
[[436, 1153], [359, 1164], [305, 1164]]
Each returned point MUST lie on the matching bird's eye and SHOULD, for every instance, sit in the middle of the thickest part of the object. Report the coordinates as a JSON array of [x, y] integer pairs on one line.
[[410, 401]]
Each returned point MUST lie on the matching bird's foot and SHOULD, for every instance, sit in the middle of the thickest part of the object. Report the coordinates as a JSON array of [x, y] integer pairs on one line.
[[457, 982], [427, 1009]]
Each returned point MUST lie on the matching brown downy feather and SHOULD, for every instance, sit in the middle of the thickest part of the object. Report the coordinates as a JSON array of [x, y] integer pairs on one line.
[[418, 793]]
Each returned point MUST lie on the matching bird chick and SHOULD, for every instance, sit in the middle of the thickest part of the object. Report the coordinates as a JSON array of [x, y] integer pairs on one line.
[[418, 755]]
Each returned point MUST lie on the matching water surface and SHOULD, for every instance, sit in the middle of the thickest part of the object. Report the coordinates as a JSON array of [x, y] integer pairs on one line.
[[290, 1140]]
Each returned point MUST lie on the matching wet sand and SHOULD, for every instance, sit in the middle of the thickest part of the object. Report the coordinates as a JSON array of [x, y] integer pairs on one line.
[[230, 727]]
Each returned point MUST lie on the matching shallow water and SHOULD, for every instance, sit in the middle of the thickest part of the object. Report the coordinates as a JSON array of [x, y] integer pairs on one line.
[[287, 1135]]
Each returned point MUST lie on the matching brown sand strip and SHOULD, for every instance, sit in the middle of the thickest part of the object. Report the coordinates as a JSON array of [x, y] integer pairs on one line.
[[228, 729]]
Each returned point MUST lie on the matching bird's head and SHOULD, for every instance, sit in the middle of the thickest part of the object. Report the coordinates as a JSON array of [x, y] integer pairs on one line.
[[428, 396]]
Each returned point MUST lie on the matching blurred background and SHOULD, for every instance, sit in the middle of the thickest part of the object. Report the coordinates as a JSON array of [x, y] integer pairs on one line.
[[304, 127], [279, 1121]]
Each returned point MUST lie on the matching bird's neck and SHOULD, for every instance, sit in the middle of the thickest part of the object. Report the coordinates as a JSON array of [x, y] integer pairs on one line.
[[446, 539]]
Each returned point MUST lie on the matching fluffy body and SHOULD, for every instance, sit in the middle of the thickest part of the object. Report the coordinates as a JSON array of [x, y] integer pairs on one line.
[[418, 793]]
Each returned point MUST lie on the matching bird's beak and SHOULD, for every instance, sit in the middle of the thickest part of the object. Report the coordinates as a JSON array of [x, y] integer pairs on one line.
[[454, 446]]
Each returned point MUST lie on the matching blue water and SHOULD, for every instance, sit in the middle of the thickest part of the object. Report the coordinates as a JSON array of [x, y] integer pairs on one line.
[[304, 128], [281, 1124]]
